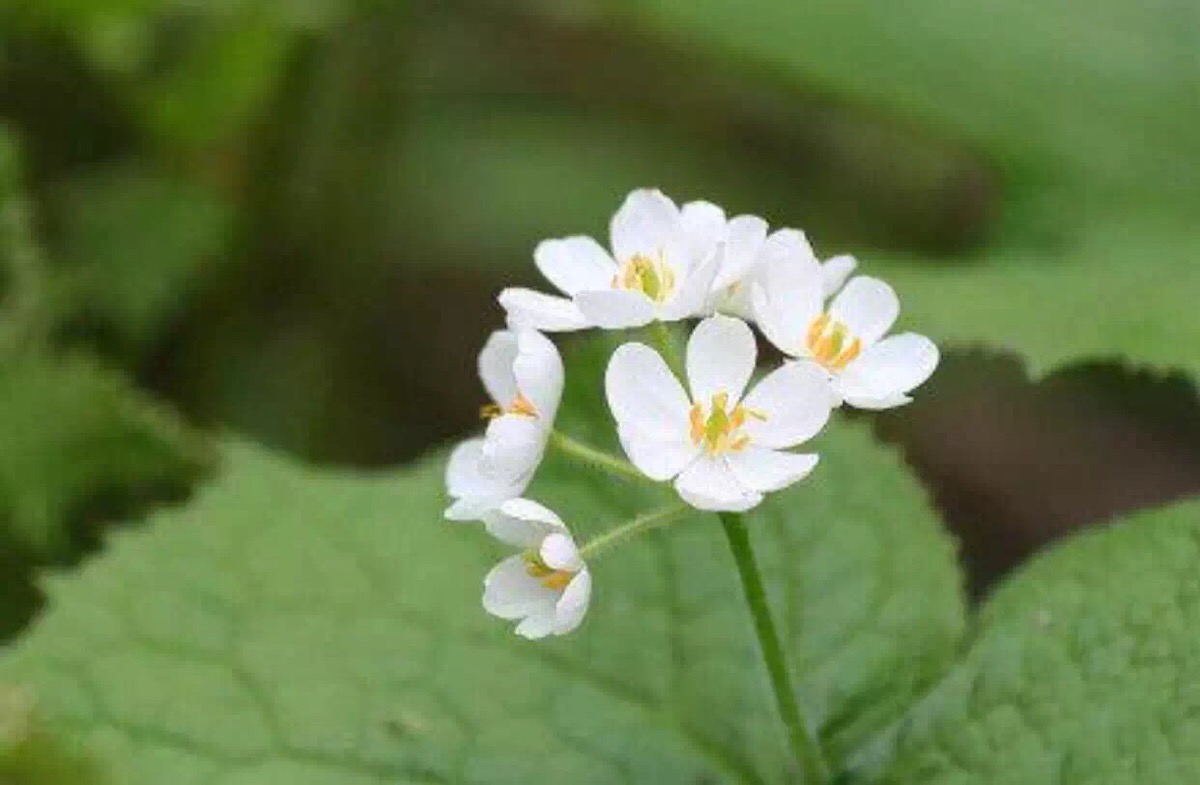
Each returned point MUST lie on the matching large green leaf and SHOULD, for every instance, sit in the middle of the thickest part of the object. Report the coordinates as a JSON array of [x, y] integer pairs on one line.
[[1084, 669], [1100, 94], [317, 627], [73, 434]]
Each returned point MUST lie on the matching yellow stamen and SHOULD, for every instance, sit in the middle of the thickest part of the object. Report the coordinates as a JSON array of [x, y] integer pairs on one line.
[[652, 277], [721, 431], [520, 405], [826, 341], [555, 580]]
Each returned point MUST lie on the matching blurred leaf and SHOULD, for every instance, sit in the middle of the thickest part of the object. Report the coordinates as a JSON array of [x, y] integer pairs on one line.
[[21, 269], [73, 434], [305, 626], [1124, 290], [1083, 670], [134, 243], [32, 754], [1100, 95]]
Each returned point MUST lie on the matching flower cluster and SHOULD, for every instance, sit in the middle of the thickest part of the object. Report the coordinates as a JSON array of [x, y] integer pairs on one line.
[[721, 441]]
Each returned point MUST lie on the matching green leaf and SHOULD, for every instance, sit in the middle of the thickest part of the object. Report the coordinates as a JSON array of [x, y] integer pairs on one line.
[[71, 434], [134, 246], [1121, 289], [1083, 669], [1100, 95], [33, 754], [310, 626]]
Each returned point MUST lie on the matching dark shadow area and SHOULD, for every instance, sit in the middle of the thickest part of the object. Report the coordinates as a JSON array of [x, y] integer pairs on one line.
[[1016, 464]]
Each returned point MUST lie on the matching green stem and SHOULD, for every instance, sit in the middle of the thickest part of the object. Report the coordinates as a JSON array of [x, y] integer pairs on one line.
[[619, 534], [804, 745], [598, 458]]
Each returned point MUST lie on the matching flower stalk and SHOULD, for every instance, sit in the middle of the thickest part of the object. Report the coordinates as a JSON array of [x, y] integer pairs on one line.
[[627, 531], [577, 450], [805, 746]]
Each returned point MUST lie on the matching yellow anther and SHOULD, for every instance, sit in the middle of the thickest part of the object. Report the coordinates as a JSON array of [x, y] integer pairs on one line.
[[652, 277], [826, 341], [519, 405], [721, 430], [555, 580]]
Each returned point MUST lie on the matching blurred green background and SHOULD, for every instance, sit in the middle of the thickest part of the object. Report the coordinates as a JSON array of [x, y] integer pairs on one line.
[[290, 219]]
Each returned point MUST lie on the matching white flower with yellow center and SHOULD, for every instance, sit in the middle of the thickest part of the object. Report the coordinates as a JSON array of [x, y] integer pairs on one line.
[[523, 373], [746, 255], [723, 450], [661, 268], [866, 370], [547, 585]]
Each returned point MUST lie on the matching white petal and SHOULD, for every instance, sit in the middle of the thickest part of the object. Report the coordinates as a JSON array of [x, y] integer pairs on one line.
[[742, 251], [575, 263], [573, 604], [790, 295], [558, 551], [658, 457], [496, 366], [788, 253], [522, 523], [475, 489], [537, 625], [538, 369], [796, 401], [879, 404], [703, 227], [888, 370], [615, 309], [709, 484], [720, 358], [643, 225], [868, 307], [835, 271], [527, 308], [510, 592], [643, 392], [513, 447], [692, 295], [767, 470]]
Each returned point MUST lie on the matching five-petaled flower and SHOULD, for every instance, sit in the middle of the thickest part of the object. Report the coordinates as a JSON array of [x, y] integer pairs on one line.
[[547, 585], [523, 373], [847, 340], [661, 268], [723, 450]]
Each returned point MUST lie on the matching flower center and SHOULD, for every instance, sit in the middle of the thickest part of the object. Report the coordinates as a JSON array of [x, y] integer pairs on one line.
[[555, 580], [652, 277], [721, 431], [519, 405], [827, 343]]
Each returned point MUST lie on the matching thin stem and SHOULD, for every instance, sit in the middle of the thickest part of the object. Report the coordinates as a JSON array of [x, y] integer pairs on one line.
[[598, 458], [805, 747], [626, 531]]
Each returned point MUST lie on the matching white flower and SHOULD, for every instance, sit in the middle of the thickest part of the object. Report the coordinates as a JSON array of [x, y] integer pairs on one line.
[[523, 373], [847, 340], [547, 586], [747, 256], [661, 268], [723, 450]]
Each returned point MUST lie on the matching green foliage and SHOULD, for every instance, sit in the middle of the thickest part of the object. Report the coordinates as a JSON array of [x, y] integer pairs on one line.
[[134, 244], [308, 626], [32, 754], [72, 433], [1082, 670]]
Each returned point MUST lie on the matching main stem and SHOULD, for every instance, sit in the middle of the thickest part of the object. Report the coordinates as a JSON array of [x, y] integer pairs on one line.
[[804, 746]]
